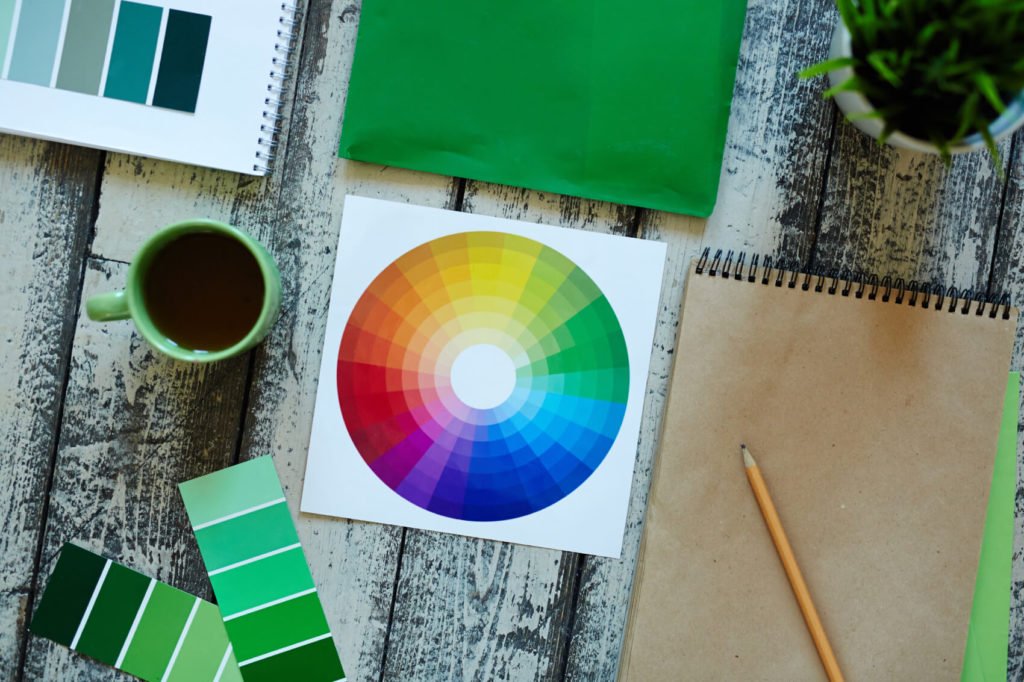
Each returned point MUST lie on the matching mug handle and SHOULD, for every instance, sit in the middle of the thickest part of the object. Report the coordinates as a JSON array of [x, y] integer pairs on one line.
[[108, 307]]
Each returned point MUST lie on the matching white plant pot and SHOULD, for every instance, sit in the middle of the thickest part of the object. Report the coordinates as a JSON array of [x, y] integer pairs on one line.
[[852, 102]]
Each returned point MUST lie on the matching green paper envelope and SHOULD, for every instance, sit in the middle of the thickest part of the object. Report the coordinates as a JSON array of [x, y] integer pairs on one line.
[[623, 102], [989, 632]]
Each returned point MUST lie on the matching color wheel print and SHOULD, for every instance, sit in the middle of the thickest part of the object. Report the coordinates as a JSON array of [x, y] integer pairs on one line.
[[483, 376]]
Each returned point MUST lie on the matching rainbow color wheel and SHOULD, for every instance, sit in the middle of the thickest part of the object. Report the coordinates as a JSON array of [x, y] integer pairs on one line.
[[483, 376]]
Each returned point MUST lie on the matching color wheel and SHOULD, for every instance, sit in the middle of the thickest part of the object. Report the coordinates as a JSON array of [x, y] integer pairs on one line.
[[483, 376]]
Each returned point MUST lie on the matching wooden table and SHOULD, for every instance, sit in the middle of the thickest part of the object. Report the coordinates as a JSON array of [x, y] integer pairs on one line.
[[97, 430]]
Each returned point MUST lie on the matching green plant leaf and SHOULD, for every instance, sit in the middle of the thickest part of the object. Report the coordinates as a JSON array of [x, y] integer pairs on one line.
[[877, 60], [852, 83], [826, 66], [988, 88]]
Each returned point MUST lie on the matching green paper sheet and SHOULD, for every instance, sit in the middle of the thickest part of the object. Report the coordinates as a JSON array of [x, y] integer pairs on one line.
[[623, 102], [988, 636]]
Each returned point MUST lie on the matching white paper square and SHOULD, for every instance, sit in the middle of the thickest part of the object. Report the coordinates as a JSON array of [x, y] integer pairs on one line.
[[589, 519]]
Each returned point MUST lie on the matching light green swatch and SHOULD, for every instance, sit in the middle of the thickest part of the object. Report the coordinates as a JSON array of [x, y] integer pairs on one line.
[[157, 633], [988, 636], [231, 491]]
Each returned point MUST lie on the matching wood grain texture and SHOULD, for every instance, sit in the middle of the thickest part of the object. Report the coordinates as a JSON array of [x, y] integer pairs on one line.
[[354, 563], [46, 198]]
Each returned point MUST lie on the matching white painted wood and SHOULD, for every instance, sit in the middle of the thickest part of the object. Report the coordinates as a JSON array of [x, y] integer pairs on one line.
[[45, 196]]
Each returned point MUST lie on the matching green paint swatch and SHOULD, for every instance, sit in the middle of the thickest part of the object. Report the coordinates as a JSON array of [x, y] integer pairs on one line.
[[6, 21], [85, 46], [260, 577], [113, 613], [35, 41], [623, 102], [67, 595], [133, 52], [988, 636], [121, 617], [182, 61]]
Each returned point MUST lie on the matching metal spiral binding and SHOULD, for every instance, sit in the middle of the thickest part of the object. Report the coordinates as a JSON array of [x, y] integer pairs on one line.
[[270, 128], [856, 284]]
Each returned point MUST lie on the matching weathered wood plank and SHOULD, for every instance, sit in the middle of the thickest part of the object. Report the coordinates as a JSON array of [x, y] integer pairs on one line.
[[46, 196], [354, 563], [1008, 276], [775, 159], [471, 609], [134, 425]]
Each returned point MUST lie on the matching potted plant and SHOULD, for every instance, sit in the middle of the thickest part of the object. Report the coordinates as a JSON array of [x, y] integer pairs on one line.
[[939, 76]]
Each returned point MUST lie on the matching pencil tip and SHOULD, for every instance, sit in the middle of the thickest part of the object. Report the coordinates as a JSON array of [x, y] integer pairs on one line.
[[748, 459]]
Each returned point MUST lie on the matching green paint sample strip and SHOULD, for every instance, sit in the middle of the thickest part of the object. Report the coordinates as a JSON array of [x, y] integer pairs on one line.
[[263, 586], [182, 61], [123, 618], [133, 52]]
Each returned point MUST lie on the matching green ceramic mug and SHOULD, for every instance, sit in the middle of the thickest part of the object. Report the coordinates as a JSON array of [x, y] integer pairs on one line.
[[131, 302]]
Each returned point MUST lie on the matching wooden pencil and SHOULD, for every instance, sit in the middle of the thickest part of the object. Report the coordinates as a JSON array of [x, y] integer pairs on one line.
[[796, 579]]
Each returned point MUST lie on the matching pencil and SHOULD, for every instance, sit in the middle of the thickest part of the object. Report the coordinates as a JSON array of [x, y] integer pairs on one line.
[[796, 579]]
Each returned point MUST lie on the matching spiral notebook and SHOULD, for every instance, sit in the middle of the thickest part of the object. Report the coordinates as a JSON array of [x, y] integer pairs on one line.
[[194, 81], [873, 408]]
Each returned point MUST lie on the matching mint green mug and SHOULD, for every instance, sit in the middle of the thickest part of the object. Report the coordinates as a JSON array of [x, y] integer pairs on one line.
[[138, 301]]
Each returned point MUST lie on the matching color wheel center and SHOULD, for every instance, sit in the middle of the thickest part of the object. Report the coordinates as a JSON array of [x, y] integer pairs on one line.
[[483, 376]]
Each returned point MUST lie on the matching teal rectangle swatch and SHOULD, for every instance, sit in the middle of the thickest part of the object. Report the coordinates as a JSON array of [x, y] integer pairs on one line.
[[35, 42], [6, 24], [259, 574], [182, 61], [133, 53], [85, 46], [134, 623]]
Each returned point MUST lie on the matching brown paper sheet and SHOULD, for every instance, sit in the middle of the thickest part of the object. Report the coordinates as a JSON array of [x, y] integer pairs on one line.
[[875, 426]]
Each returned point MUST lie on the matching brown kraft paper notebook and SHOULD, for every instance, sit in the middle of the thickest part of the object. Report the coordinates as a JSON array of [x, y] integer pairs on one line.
[[875, 425]]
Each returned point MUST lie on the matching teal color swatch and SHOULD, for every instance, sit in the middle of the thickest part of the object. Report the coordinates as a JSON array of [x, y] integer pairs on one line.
[[133, 53], [259, 574], [988, 637], [182, 61], [6, 24], [35, 42], [134, 623], [85, 46]]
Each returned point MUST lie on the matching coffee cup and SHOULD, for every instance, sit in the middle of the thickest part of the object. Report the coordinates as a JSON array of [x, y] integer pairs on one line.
[[198, 291]]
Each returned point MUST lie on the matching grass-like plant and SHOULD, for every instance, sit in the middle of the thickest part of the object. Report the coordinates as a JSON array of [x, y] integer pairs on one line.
[[937, 70]]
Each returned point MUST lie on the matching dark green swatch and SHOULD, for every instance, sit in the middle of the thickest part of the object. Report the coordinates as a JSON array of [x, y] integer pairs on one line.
[[113, 613], [133, 53], [318, 662], [276, 627], [35, 41], [182, 61], [85, 46], [66, 597]]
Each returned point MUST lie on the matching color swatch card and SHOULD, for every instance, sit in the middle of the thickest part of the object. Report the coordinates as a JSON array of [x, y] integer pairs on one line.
[[134, 623], [623, 102], [263, 586], [483, 376], [186, 80]]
